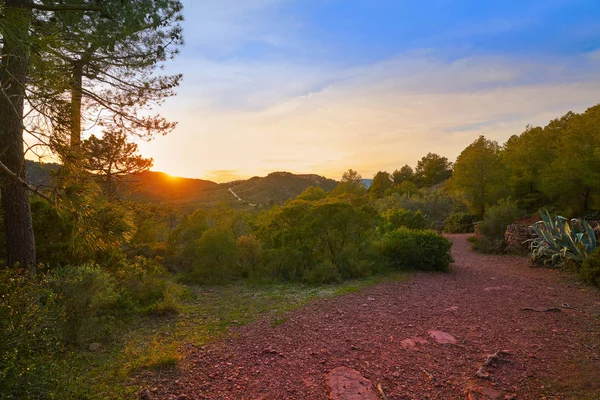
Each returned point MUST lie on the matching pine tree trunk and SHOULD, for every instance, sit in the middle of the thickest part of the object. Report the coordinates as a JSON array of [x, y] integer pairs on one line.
[[20, 242]]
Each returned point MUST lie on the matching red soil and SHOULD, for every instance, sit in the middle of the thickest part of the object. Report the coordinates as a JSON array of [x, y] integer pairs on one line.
[[553, 354]]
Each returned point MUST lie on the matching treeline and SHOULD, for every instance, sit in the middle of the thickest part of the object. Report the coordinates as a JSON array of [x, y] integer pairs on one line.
[[556, 166]]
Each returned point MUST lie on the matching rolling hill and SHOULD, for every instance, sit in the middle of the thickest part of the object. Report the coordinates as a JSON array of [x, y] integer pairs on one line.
[[158, 187], [278, 187]]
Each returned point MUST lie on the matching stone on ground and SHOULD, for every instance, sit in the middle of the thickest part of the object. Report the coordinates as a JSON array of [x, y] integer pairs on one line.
[[348, 384], [442, 337]]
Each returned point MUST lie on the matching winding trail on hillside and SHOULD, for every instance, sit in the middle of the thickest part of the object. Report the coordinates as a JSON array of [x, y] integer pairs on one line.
[[487, 303]]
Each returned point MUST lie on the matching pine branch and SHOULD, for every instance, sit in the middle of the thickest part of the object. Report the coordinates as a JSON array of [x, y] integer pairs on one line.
[[16, 178]]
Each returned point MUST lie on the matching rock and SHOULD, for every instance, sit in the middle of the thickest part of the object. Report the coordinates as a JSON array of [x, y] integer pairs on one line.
[[348, 384], [442, 337], [410, 343], [95, 346]]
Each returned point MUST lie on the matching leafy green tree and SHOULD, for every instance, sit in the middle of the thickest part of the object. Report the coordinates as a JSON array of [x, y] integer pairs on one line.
[[312, 193], [574, 177], [404, 174], [352, 177], [112, 158], [527, 157], [433, 169], [382, 181], [351, 183], [479, 174], [216, 257]]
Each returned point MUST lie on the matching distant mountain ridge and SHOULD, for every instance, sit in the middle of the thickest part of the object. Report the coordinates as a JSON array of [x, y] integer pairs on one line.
[[279, 186], [158, 187]]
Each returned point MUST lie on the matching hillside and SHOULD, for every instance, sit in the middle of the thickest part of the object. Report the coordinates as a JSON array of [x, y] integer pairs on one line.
[[278, 187], [158, 187]]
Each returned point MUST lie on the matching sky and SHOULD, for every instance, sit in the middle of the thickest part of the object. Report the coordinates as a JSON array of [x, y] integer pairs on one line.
[[321, 86]]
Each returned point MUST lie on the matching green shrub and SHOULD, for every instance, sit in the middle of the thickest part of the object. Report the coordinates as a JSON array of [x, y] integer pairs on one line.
[[216, 260], [416, 249], [249, 253], [590, 269], [31, 336], [459, 223], [143, 281], [497, 219], [398, 217], [490, 231], [90, 299], [322, 273]]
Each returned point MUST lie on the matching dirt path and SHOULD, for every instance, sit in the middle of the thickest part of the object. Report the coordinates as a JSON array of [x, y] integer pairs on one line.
[[554, 354]]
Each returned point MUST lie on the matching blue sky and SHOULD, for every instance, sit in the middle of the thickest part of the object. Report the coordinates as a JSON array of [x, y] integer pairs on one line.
[[323, 86]]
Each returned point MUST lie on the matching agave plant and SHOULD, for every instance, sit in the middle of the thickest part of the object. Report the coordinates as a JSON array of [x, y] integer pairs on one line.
[[558, 239]]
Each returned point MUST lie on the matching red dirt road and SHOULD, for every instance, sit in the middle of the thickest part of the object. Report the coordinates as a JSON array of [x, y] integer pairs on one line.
[[553, 354]]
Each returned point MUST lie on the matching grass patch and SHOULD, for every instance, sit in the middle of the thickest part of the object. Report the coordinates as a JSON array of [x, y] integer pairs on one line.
[[157, 340]]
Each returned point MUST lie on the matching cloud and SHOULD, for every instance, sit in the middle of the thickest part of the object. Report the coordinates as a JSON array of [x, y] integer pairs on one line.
[[254, 98], [374, 117]]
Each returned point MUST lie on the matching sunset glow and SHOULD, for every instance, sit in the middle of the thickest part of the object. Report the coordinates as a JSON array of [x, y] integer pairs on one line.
[[322, 87]]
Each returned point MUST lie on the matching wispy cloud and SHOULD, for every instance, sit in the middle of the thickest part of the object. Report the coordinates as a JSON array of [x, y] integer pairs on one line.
[[254, 100]]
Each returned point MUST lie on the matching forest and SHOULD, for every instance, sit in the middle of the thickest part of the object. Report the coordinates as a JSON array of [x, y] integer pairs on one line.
[[88, 266]]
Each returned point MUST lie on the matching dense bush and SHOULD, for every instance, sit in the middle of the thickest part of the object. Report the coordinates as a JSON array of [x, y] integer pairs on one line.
[[31, 335], [90, 299], [317, 242], [459, 223], [249, 253], [397, 217], [415, 249], [590, 269], [215, 259], [491, 230], [435, 204], [498, 217]]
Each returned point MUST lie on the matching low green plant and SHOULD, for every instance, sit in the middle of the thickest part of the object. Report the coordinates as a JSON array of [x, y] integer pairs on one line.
[[490, 232], [590, 268], [397, 217], [460, 222], [559, 240], [415, 249]]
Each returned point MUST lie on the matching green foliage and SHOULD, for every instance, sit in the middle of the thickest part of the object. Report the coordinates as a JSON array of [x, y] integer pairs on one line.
[[31, 336], [304, 241], [491, 230], [559, 240], [90, 299], [498, 218], [435, 204], [111, 158], [415, 249], [312, 193], [249, 252], [215, 259], [433, 169], [460, 222], [397, 217], [590, 269], [404, 174], [351, 183], [479, 174], [382, 181]]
